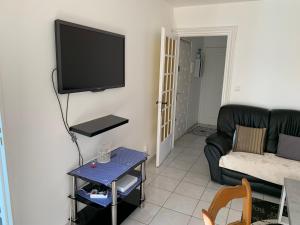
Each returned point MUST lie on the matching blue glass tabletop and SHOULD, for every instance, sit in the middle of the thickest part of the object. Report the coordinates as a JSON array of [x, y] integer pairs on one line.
[[122, 160]]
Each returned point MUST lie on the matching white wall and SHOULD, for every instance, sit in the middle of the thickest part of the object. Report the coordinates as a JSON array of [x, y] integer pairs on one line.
[[198, 100], [266, 68], [38, 149], [214, 42], [210, 90], [194, 98]]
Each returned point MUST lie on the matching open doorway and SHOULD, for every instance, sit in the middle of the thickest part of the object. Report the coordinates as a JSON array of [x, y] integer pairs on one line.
[[179, 101], [201, 66]]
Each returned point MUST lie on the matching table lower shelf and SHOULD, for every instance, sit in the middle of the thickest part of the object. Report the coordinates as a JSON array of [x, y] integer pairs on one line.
[[95, 214], [84, 196]]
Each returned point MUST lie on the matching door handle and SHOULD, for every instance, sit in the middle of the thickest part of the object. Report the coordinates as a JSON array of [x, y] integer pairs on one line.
[[163, 103]]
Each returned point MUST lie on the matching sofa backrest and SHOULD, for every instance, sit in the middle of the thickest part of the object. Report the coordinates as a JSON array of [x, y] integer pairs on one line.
[[249, 116], [282, 121]]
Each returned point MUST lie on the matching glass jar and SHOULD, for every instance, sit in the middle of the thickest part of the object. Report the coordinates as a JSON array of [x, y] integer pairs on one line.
[[104, 154]]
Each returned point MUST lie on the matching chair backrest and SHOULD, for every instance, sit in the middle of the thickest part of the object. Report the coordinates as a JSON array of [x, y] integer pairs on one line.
[[224, 196]]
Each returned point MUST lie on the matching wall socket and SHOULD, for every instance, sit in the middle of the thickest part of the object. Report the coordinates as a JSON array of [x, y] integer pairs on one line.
[[145, 148]]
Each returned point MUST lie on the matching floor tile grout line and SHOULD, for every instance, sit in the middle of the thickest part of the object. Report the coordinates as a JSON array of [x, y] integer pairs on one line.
[[201, 194], [173, 192], [155, 214], [170, 210], [183, 195], [195, 184], [180, 181], [177, 211], [190, 170], [190, 220], [183, 179], [227, 216], [163, 188], [174, 189], [203, 190], [137, 220], [161, 207]]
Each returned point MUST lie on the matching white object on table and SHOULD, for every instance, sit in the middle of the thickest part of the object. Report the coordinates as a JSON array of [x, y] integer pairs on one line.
[[126, 182], [98, 196]]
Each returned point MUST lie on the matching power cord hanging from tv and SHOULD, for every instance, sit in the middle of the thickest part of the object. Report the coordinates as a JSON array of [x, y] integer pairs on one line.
[[67, 110], [65, 118]]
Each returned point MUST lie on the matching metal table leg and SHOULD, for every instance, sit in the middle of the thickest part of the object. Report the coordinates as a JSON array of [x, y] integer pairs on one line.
[[114, 203], [143, 171], [73, 200], [281, 206]]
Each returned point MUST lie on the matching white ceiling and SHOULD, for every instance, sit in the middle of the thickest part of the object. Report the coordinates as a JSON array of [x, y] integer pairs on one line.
[[177, 3]]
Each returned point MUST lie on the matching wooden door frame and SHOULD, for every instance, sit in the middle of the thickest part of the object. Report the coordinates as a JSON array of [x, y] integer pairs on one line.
[[230, 32]]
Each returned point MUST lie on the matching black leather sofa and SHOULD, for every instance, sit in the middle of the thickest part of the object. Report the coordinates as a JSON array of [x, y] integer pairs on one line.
[[220, 143]]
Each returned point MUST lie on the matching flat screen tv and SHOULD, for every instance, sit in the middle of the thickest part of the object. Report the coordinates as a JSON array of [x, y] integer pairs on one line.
[[88, 59]]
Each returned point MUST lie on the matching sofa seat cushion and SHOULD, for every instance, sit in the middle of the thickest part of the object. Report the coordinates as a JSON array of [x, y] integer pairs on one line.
[[268, 167]]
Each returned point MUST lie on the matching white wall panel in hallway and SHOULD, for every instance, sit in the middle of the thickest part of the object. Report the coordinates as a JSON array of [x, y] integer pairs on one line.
[[212, 85], [194, 99], [183, 85]]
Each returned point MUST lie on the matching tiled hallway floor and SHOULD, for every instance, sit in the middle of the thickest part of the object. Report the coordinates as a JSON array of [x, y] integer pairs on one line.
[[177, 191]]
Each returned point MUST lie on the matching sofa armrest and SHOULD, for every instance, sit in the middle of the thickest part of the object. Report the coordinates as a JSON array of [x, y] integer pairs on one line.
[[222, 142]]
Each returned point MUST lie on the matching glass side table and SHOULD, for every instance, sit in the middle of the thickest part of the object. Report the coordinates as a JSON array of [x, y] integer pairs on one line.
[[123, 161]]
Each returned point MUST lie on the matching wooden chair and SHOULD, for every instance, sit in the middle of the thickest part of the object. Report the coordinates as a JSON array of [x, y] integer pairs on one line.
[[225, 195]]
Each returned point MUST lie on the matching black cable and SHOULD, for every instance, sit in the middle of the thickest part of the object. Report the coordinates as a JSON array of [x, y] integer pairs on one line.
[[72, 135], [59, 103], [67, 110]]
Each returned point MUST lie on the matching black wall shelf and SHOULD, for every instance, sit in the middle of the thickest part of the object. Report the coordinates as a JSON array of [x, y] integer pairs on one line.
[[98, 126]]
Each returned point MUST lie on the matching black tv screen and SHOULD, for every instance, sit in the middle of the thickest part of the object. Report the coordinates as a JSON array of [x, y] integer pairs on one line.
[[88, 59]]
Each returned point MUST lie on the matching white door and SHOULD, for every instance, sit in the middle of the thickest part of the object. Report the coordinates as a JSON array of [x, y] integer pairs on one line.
[[212, 85], [165, 102], [183, 87], [5, 208]]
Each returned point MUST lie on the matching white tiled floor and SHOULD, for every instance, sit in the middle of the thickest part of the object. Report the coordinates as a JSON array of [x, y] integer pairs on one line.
[[177, 191]]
